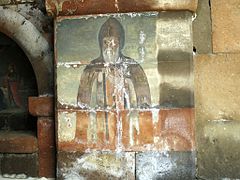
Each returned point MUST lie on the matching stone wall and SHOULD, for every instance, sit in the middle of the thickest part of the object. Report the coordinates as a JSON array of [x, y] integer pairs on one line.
[[131, 117], [24, 153], [217, 80], [180, 145]]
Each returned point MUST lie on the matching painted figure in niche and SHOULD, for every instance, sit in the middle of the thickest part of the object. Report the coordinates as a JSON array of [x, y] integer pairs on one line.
[[2, 102], [113, 80], [12, 81]]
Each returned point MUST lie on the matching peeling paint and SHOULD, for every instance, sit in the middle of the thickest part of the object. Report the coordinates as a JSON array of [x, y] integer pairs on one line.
[[113, 114], [66, 126]]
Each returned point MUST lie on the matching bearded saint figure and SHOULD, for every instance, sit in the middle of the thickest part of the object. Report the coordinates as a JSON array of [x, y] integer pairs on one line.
[[113, 80]]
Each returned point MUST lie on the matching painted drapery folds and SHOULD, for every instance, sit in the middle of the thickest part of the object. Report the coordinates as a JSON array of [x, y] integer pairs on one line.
[[110, 72], [117, 73]]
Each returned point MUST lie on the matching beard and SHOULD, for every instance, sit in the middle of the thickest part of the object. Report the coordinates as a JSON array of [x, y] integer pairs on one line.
[[111, 55]]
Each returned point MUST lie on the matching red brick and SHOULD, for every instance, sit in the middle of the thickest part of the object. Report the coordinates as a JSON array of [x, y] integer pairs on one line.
[[141, 136], [46, 142], [174, 130], [126, 127], [18, 142], [40, 106], [82, 126], [83, 139], [146, 128]]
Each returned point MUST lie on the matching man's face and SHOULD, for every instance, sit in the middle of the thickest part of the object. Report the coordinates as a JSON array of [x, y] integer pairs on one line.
[[110, 49]]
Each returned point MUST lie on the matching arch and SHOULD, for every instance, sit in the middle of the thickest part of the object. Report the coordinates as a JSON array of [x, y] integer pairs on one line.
[[34, 45]]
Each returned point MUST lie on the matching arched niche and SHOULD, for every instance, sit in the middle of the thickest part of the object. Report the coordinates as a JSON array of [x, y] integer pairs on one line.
[[39, 53], [17, 83], [34, 45]]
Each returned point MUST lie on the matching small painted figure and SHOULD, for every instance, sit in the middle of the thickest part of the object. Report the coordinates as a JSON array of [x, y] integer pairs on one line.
[[113, 80], [2, 103], [13, 87]]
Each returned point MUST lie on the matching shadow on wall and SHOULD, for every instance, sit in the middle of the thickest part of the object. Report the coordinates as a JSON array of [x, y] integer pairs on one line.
[[176, 86]]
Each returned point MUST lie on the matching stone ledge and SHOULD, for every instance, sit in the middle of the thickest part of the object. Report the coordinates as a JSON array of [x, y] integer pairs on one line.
[[18, 142], [73, 7]]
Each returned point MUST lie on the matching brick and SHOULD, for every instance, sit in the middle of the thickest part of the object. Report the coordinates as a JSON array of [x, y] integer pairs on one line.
[[90, 130], [176, 128], [40, 106], [18, 142], [167, 129], [71, 7], [137, 130], [165, 165], [202, 28], [20, 164], [217, 83], [46, 145], [225, 25], [97, 165]]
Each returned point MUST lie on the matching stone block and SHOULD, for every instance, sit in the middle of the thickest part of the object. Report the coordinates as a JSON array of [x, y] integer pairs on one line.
[[202, 28], [218, 150], [5, 2], [174, 42], [20, 164], [41, 106], [18, 142], [71, 7], [97, 165], [46, 145], [165, 165], [225, 25], [217, 83]]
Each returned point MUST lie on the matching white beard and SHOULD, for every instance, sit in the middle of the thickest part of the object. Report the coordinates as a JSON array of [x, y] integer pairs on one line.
[[111, 56]]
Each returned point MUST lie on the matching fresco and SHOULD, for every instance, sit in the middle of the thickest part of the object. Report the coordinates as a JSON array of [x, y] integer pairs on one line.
[[17, 83], [111, 68]]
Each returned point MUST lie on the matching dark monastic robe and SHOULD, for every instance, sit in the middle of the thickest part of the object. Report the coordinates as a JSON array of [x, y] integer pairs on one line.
[[118, 73]]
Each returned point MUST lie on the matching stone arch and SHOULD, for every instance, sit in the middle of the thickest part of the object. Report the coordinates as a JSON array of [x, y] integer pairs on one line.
[[34, 45]]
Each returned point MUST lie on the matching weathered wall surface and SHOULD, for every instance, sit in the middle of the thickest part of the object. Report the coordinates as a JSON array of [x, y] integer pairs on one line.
[[27, 23], [130, 117], [216, 77], [85, 7], [217, 80], [217, 83]]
